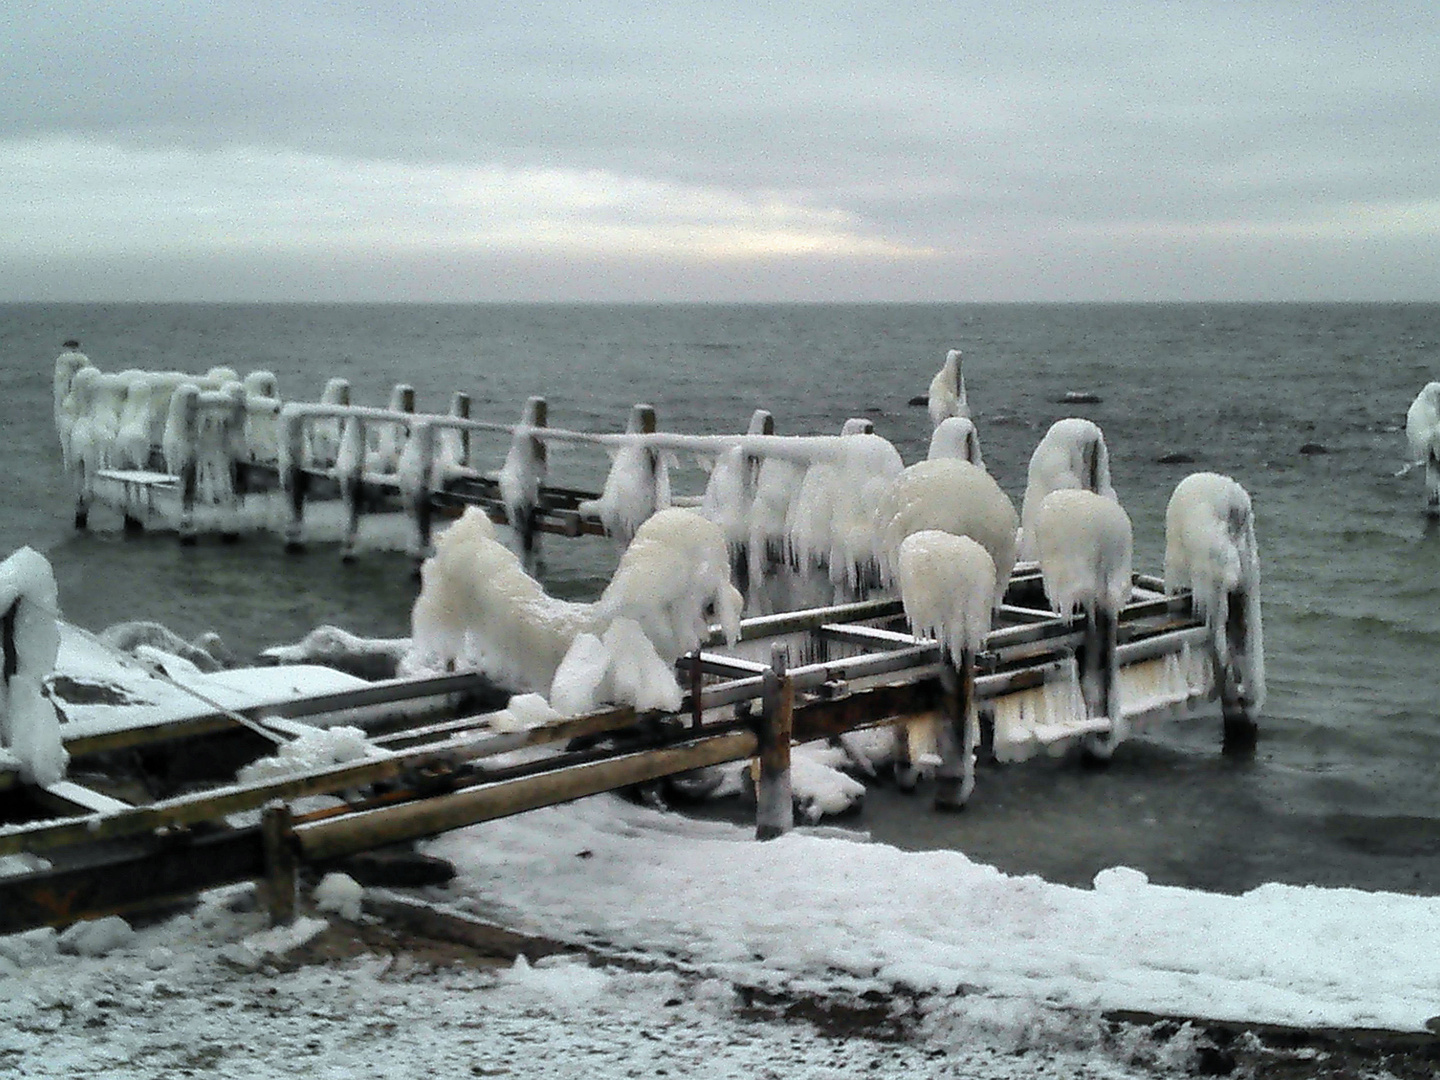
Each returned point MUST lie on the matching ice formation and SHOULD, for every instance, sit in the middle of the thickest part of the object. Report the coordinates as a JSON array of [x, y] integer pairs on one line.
[[262, 417], [956, 437], [390, 437], [524, 470], [947, 584], [1422, 432], [951, 496], [947, 391], [831, 519], [29, 727], [477, 605], [637, 485], [1085, 545], [312, 748], [1071, 455], [674, 572], [1210, 549], [323, 433], [67, 365]]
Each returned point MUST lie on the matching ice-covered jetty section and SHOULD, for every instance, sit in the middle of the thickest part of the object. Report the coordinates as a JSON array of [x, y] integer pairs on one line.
[[29, 728]]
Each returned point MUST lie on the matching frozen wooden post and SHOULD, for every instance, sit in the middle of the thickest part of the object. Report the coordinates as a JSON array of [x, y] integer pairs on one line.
[[1238, 707], [350, 475], [181, 453], [460, 409], [277, 838], [237, 454], [958, 733], [774, 806], [907, 773], [526, 514], [415, 486], [1100, 680], [1432, 484], [294, 481]]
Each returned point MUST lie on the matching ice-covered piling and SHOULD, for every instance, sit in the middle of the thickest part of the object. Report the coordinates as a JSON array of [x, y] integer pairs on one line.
[[947, 391], [638, 483], [1085, 546], [1210, 549], [29, 728], [947, 585], [523, 474], [1072, 454], [1422, 432]]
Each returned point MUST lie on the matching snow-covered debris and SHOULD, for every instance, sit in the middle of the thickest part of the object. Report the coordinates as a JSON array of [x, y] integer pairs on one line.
[[338, 648], [95, 938], [1210, 549], [128, 637], [29, 727], [1085, 545], [953, 496], [1071, 455], [956, 437], [947, 391], [312, 748], [341, 894]]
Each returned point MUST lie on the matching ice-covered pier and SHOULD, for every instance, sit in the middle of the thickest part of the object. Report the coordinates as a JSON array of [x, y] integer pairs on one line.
[[957, 629]]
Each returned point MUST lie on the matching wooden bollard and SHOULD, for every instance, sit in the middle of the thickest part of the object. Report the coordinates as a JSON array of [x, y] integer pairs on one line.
[[774, 802], [1237, 706], [959, 731], [1100, 682], [1432, 485], [278, 888]]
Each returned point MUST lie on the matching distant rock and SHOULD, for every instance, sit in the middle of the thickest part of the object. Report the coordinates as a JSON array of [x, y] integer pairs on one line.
[[1079, 397], [920, 399], [1314, 448], [1175, 457]]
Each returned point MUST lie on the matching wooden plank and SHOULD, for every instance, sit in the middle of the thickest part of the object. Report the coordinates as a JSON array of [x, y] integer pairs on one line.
[[67, 797], [181, 866], [409, 821]]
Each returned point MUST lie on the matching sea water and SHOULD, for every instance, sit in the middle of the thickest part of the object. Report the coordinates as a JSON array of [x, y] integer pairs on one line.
[[1303, 404]]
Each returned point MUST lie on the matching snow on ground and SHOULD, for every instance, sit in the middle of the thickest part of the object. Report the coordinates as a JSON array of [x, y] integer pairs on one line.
[[821, 914], [211, 994]]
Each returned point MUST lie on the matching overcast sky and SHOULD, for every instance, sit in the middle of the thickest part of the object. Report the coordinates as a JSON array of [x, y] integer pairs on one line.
[[942, 150]]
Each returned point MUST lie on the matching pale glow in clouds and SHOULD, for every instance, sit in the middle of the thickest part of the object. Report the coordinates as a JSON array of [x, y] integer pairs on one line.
[[236, 199], [626, 151]]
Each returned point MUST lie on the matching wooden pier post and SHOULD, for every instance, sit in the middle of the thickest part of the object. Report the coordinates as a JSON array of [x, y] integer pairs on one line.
[[294, 480], [1237, 705], [350, 474], [1100, 682], [185, 411], [959, 731], [774, 804], [1432, 485], [527, 514], [460, 409], [415, 487], [278, 888]]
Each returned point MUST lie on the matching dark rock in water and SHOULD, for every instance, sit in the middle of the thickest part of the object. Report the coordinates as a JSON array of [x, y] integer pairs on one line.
[[1177, 457], [874, 410], [1314, 448], [1080, 397], [920, 399]]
